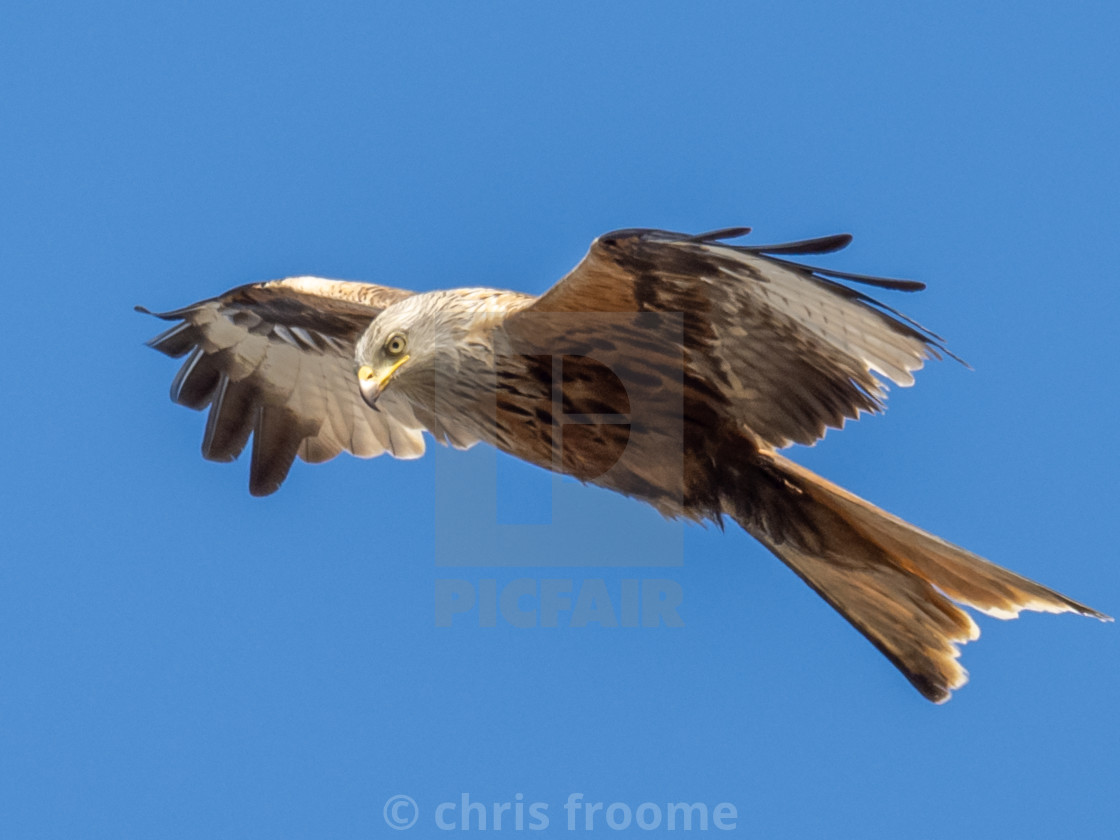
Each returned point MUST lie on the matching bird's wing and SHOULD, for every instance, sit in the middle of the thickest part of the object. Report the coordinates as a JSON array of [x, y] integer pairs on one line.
[[275, 360], [790, 349]]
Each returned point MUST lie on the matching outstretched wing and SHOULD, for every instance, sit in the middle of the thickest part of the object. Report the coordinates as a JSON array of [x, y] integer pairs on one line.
[[275, 360], [792, 350]]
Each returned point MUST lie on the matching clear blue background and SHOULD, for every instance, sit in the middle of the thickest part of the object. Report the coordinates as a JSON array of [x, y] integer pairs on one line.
[[178, 659]]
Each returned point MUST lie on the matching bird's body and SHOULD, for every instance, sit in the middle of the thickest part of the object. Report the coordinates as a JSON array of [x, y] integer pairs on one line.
[[666, 367]]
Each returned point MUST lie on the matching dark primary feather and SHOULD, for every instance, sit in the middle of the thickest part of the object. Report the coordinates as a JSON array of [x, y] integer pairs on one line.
[[716, 235], [230, 421], [815, 246], [804, 247]]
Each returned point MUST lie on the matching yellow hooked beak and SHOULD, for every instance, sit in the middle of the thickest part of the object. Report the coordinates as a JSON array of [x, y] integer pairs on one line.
[[372, 382]]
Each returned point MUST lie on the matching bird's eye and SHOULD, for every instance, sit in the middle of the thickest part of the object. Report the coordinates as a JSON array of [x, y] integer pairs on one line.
[[395, 345]]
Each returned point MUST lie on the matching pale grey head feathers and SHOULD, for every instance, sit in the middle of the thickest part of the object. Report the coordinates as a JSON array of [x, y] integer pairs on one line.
[[429, 332]]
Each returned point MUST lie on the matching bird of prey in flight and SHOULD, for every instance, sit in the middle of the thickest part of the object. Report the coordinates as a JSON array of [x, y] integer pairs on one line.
[[668, 367]]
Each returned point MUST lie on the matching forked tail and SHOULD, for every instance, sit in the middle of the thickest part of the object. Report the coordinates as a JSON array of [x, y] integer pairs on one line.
[[895, 583]]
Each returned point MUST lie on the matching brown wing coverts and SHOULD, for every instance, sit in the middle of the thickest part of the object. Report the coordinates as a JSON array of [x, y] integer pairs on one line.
[[792, 350], [275, 360]]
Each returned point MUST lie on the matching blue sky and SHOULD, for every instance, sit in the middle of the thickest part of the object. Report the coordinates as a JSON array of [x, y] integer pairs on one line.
[[178, 659]]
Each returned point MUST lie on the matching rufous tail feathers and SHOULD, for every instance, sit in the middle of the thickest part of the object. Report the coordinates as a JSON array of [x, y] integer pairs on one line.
[[896, 583]]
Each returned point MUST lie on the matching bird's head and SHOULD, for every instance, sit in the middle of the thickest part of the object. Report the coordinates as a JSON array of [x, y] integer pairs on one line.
[[409, 342]]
